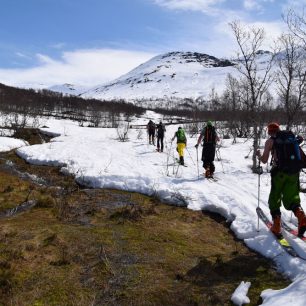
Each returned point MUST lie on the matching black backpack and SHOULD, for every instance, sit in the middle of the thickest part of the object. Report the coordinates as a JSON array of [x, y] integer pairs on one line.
[[160, 129], [209, 135], [288, 152], [151, 126]]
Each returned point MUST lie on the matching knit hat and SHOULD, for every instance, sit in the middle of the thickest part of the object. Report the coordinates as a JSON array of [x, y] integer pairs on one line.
[[209, 123], [273, 127]]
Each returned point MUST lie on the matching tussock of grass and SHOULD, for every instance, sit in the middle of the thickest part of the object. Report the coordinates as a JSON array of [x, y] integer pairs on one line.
[[45, 201]]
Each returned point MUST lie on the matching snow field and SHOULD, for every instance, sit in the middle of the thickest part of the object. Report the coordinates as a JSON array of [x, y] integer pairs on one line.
[[99, 160]]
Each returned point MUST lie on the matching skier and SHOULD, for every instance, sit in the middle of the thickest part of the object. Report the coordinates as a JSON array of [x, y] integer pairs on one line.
[[181, 143], [160, 128], [210, 137], [285, 172], [151, 132]]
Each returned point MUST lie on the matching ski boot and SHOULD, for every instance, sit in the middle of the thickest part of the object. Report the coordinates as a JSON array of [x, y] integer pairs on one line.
[[276, 227], [182, 160], [207, 173], [299, 213]]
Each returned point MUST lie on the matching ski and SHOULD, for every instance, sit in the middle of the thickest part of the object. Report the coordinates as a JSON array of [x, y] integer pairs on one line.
[[292, 231], [211, 179], [178, 162], [281, 240]]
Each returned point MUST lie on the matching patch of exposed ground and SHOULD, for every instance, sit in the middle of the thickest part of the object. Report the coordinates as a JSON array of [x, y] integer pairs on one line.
[[104, 247]]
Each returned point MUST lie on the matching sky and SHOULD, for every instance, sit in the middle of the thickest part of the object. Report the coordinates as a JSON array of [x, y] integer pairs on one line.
[[90, 42]]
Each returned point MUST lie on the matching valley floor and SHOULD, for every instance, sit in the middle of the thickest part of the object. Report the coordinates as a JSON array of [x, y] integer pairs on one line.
[[97, 159]]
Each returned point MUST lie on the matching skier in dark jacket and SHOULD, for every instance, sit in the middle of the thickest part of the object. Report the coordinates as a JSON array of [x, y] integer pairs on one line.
[[210, 137], [160, 129], [284, 183], [151, 132]]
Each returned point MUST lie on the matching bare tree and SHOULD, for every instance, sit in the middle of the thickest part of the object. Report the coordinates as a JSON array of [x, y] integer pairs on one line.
[[123, 132], [291, 77], [233, 104], [296, 23], [256, 76]]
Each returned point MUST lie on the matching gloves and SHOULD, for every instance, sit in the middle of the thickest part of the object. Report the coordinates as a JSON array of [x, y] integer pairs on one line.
[[196, 146], [300, 139]]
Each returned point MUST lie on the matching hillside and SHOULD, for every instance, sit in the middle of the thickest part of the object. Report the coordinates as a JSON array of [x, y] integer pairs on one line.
[[175, 74]]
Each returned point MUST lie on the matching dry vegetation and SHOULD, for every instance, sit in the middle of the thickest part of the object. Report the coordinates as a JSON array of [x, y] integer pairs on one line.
[[104, 247]]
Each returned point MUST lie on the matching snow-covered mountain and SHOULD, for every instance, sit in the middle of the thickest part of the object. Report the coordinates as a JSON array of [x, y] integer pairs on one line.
[[171, 75], [69, 89], [170, 80]]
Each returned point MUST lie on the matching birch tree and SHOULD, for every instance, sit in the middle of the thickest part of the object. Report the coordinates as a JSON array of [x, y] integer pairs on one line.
[[256, 75], [291, 77]]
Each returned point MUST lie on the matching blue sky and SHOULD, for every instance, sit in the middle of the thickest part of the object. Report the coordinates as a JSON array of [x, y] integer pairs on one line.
[[89, 42]]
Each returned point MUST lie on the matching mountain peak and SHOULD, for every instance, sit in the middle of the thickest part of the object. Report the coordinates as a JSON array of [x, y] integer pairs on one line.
[[190, 57]]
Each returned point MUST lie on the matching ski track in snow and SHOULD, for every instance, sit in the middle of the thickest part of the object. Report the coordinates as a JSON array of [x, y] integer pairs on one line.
[[99, 160]]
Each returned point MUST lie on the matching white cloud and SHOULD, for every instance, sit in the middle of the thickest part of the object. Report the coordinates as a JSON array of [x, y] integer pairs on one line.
[[255, 4], [206, 6], [45, 60], [58, 46], [251, 4], [82, 67], [272, 29], [22, 55], [297, 5]]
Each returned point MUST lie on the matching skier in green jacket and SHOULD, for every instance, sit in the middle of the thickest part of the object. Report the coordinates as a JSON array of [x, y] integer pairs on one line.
[[284, 182]]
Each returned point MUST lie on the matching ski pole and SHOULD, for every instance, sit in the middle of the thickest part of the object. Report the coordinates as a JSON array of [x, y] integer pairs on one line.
[[221, 159], [198, 164], [168, 155], [190, 156], [258, 196]]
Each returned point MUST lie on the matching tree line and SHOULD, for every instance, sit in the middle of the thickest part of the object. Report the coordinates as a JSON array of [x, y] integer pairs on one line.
[[19, 106]]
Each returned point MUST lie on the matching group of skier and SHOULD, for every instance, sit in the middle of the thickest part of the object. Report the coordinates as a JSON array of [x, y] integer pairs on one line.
[[160, 130], [208, 136], [287, 161]]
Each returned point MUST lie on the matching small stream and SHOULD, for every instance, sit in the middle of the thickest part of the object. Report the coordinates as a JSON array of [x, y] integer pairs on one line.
[[18, 209], [9, 166]]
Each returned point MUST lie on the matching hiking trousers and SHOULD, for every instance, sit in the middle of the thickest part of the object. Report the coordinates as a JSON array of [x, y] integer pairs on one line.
[[160, 142], [208, 156], [180, 148], [284, 188], [151, 137]]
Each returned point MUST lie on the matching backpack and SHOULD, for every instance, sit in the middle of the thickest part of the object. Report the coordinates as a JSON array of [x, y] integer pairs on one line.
[[209, 135], [151, 126], [288, 152], [160, 129], [181, 135]]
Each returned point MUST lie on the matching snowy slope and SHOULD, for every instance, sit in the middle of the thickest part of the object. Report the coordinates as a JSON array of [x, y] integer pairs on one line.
[[98, 159], [68, 89], [175, 74]]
